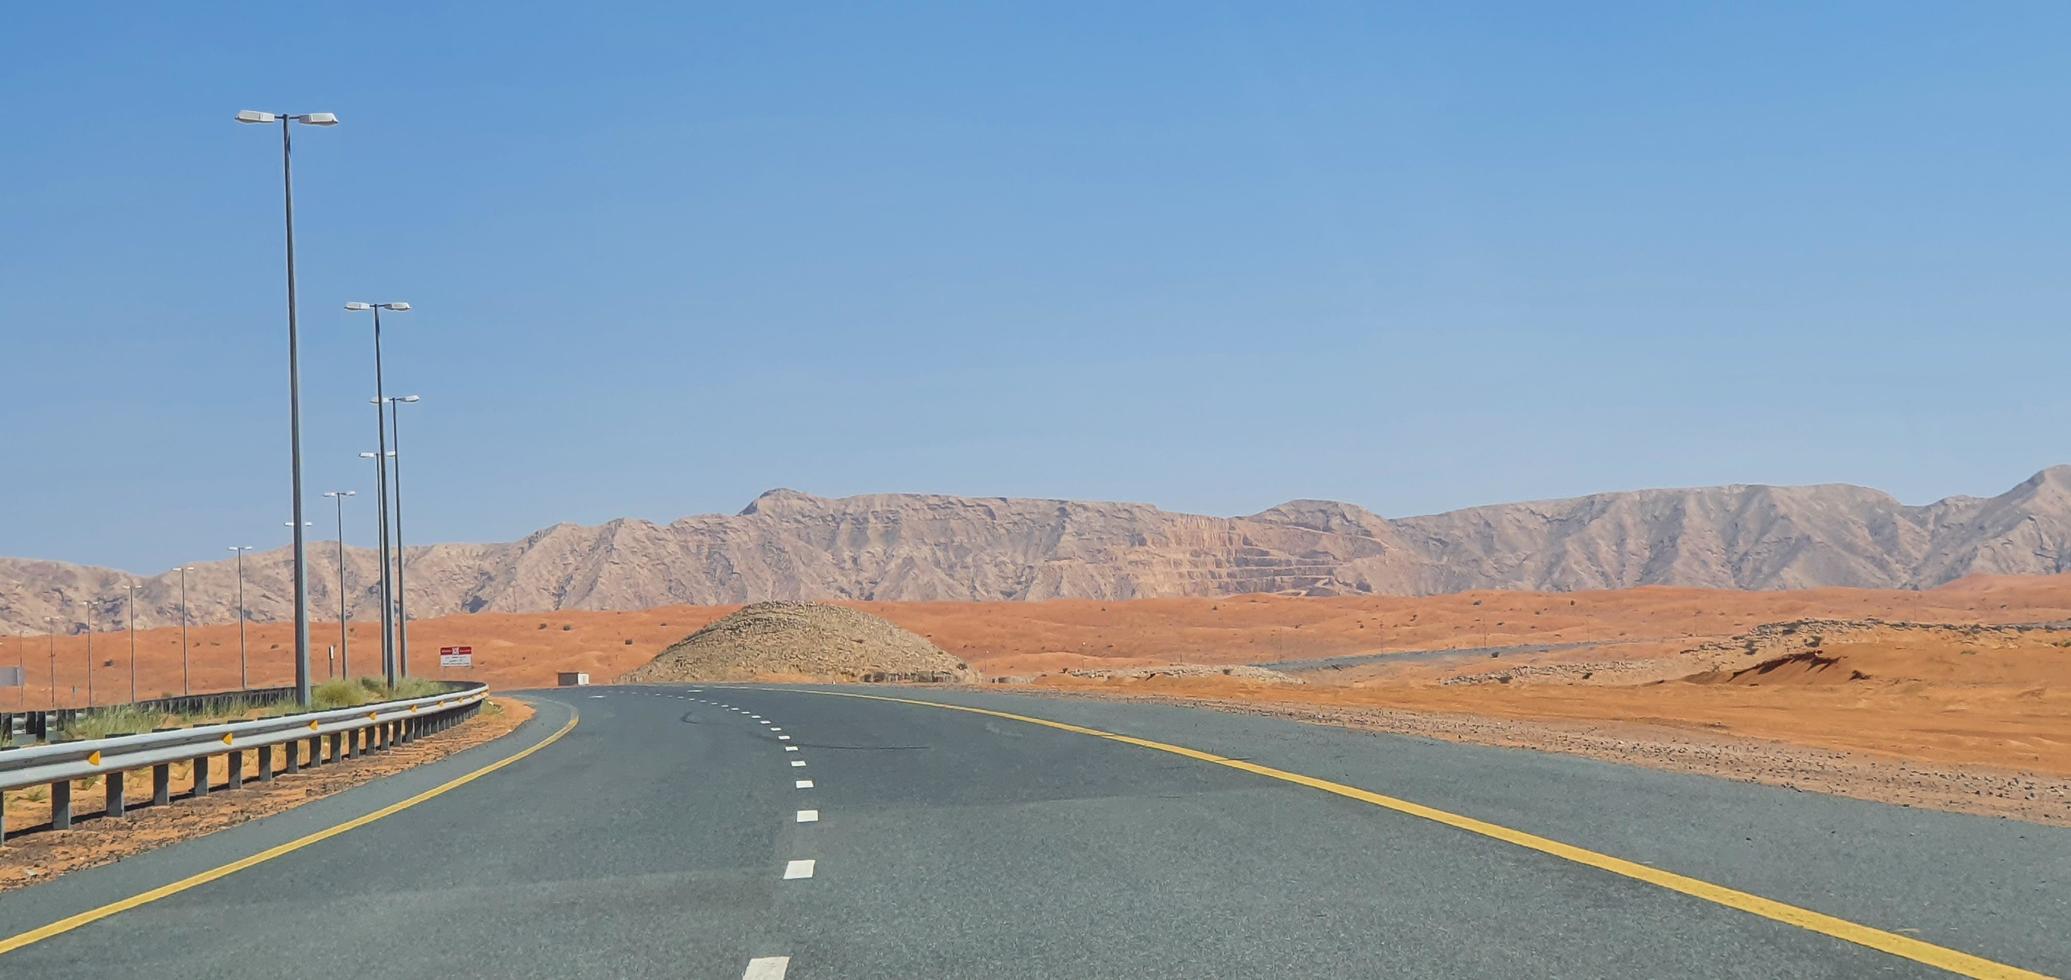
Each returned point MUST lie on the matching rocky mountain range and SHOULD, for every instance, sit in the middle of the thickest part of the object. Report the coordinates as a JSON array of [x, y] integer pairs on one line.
[[791, 545]]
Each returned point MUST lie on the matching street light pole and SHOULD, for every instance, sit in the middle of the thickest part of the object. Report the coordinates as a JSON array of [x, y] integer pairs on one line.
[[388, 664], [402, 554], [133, 643], [287, 175], [89, 653], [50, 626], [388, 651], [344, 645], [244, 669], [186, 685]]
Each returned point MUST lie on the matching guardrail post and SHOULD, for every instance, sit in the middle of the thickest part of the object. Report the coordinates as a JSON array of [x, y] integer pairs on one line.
[[234, 763], [117, 805], [161, 784], [335, 756], [61, 805], [289, 750], [266, 763], [316, 750], [201, 775]]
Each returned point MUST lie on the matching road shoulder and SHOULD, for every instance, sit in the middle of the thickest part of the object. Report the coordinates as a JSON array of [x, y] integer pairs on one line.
[[94, 887]]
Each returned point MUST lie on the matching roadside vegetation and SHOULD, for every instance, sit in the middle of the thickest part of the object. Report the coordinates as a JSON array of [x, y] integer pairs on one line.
[[367, 690]]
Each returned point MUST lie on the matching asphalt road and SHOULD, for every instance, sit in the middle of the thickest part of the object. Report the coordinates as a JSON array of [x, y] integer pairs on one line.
[[655, 839]]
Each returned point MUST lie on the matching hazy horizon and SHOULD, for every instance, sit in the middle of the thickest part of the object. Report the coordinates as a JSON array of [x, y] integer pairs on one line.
[[319, 535]]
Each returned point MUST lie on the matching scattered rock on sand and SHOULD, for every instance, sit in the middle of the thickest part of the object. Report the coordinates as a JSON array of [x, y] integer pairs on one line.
[[1239, 672], [803, 639]]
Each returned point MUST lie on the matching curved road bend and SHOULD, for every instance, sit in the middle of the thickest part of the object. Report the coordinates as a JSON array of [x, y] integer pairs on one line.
[[667, 836]]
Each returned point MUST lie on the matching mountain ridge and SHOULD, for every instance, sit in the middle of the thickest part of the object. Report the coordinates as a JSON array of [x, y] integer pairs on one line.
[[787, 544]]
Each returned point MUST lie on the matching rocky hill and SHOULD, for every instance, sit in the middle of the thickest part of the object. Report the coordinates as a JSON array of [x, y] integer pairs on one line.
[[790, 545], [803, 640]]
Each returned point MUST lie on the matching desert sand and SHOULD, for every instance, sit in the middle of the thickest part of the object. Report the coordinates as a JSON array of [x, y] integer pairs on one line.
[[1926, 697]]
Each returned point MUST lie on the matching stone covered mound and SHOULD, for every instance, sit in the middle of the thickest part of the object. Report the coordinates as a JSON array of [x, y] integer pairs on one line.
[[803, 639]]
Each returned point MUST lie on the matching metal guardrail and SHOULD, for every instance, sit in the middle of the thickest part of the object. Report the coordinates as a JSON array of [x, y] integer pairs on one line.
[[346, 731], [39, 723]]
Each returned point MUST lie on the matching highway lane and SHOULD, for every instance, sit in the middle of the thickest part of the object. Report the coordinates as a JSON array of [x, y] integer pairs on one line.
[[654, 839]]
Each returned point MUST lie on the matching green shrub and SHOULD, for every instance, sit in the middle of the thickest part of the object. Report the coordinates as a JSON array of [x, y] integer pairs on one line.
[[122, 719], [367, 690]]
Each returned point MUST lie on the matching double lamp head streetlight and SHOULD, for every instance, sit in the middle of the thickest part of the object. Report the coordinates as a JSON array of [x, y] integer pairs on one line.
[[305, 118], [287, 182], [392, 664]]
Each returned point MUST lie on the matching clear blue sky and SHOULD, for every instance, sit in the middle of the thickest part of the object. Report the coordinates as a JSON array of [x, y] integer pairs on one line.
[[1207, 256]]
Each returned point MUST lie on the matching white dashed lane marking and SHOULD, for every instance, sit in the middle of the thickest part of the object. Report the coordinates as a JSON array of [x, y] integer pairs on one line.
[[767, 968], [790, 748], [803, 784], [798, 869], [798, 763], [808, 816], [776, 729], [783, 738]]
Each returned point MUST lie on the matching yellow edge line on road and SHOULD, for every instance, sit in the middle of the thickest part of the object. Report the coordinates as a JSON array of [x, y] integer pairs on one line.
[[89, 916], [1954, 961]]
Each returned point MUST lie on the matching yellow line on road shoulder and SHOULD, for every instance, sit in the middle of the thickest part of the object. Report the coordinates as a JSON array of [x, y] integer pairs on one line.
[[71, 922], [1919, 951]]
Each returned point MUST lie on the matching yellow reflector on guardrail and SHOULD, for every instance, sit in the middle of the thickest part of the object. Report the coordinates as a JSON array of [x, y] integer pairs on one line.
[[228, 738], [94, 759]]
